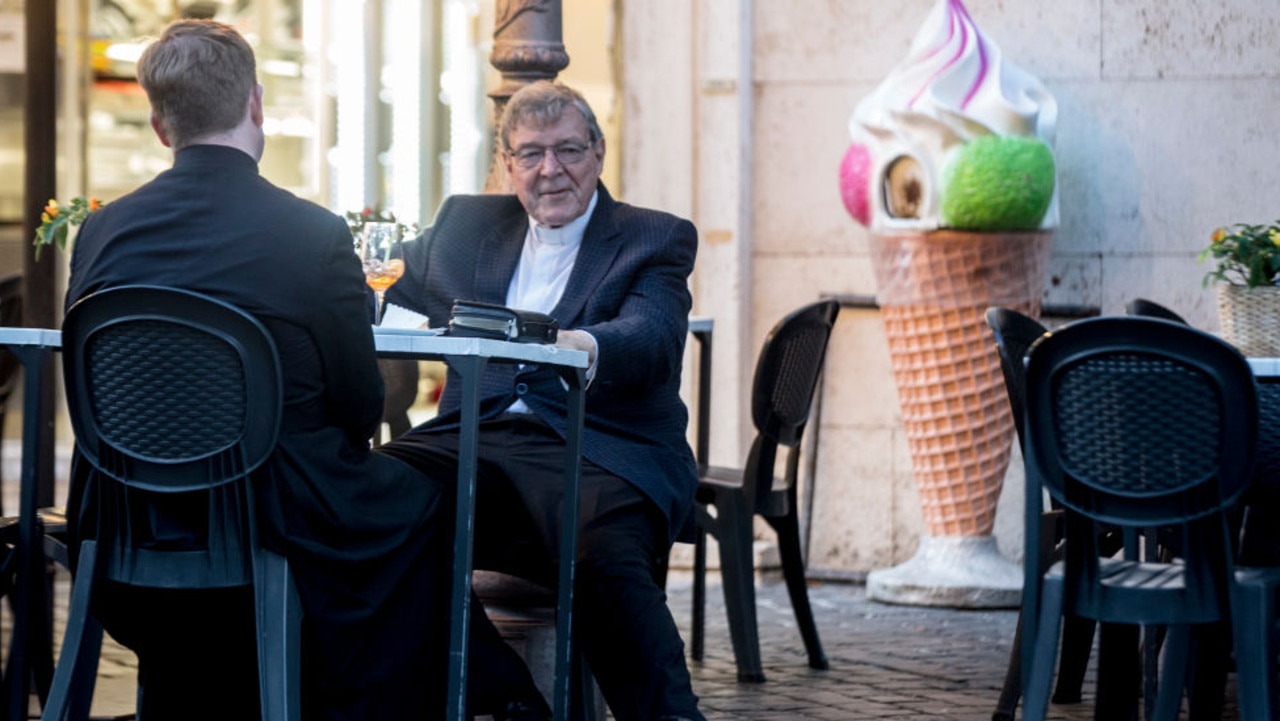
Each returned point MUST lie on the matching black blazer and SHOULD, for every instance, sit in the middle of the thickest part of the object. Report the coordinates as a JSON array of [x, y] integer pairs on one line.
[[628, 288], [211, 224]]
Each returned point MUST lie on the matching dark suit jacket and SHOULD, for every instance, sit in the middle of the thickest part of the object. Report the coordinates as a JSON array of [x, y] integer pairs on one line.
[[628, 288], [347, 519]]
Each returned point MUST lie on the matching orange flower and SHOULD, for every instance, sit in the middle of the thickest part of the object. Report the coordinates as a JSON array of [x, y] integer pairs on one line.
[[57, 222], [1219, 234]]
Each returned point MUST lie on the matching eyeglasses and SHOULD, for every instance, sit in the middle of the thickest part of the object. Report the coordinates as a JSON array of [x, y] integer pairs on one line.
[[531, 157]]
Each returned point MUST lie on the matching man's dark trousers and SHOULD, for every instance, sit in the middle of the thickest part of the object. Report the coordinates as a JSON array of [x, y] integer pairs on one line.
[[620, 610]]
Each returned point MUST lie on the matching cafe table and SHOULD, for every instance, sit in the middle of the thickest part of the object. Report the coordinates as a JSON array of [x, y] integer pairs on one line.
[[31, 642], [469, 357], [702, 329]]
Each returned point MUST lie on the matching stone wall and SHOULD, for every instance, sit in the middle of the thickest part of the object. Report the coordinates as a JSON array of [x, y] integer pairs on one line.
[[1165, 131]]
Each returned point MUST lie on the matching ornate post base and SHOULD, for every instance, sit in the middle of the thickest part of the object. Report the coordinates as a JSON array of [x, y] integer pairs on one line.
[[951, 571]]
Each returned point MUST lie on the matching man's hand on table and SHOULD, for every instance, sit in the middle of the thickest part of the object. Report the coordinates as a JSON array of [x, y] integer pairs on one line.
[[578, 340]]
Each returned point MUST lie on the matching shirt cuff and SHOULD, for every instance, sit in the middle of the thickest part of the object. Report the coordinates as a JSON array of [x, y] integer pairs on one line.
[[595, 358]]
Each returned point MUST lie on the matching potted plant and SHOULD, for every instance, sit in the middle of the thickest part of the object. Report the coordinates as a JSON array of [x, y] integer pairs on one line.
[[1248, 264]]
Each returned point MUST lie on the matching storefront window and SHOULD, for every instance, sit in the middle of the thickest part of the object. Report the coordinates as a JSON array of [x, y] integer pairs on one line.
[[120, 150], [367, 103], [12, 60]]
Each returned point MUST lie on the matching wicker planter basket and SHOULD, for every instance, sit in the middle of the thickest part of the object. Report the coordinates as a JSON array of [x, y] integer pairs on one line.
[[1250, 318]]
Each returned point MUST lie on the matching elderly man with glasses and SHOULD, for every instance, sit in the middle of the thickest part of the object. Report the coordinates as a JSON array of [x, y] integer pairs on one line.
[[615, 277]]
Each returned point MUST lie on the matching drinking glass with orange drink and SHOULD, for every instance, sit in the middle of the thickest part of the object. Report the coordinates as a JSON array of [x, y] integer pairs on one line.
[[380, 248]]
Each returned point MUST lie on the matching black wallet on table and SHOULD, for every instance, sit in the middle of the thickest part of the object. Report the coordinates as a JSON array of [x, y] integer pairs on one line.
[[473, 319]]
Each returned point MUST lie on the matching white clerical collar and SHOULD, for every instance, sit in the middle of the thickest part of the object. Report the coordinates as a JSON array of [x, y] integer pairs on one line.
[[568, 234]]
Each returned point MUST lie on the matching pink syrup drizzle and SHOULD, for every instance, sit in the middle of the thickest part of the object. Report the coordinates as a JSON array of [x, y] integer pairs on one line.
[[955, 11]]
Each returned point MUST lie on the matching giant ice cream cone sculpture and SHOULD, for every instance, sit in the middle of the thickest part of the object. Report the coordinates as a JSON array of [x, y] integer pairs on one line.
[[951, 168], [934, 291]]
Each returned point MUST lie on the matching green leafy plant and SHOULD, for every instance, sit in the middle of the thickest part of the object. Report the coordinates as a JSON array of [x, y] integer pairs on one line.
[[56, 221], [1247, 255]]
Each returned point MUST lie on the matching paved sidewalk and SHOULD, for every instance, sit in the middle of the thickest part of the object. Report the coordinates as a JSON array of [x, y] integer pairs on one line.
[[887, 662]]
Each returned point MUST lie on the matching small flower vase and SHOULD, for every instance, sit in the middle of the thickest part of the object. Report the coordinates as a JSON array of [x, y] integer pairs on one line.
[[1250, 318]]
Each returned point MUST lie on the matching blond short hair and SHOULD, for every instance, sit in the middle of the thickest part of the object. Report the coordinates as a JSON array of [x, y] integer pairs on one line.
[[198, 75]]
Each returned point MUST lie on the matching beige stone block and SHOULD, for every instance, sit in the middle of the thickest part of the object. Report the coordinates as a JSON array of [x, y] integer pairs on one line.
[[796, 180], [1221, 39], [1074, 279], [908, 520], [820, 40], [655, 149], [764, 556], [1010, 510], [1149, 168], [852, 527], [857, 358], [782, 283], [1172, 281]]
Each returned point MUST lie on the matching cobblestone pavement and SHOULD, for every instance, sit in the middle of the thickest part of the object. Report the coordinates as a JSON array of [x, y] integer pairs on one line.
[[887, 662]]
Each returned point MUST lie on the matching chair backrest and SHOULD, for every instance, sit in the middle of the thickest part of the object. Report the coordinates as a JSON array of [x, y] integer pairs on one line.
[[787, 372], [1151, 309], [1135, 412], [1014, 333], [1140, 422], [175, 398]]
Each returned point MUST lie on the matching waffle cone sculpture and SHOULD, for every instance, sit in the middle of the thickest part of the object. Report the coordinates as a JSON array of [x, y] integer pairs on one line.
[[934, 289]]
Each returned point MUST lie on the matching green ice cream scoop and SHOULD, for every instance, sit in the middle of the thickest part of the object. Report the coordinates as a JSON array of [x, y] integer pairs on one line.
[[998, 183]]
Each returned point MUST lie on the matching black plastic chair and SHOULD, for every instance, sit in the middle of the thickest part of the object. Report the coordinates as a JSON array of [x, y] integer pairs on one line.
[[1139, 423], [1205, 696], [1151, 309], [786, 377], [1014, 333], [155, 437]]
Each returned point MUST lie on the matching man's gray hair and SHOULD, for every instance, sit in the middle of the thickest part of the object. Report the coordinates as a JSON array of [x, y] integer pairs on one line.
[[540, 104]]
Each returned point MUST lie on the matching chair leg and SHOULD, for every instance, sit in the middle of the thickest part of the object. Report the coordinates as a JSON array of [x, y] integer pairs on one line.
[[1007, 705], [1043, 644], [788, 531], [1011, 691], [585, 703], [1173, 677], [1073, 660], [40, 650], [1152, 642], [698, 642], [738, 573], [279, 619], [1119, 673], [74, 675], [1210, 657], [1253, 631]]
